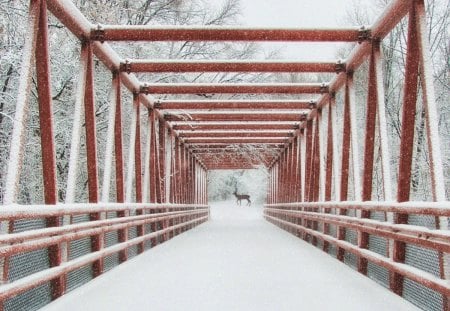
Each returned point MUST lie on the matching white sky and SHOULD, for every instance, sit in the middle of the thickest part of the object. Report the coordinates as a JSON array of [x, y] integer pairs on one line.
[[303, 14]]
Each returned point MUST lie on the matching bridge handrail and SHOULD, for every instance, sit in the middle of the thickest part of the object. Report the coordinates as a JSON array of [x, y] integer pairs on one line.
[[302, 219], [19, 286], [412, 207], [415, 274], [16, 211]]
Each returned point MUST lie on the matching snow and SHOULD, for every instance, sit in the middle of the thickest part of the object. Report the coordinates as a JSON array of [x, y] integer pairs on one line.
[[236, 261]]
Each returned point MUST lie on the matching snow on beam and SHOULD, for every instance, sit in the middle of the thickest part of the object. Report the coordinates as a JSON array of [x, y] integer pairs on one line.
[[225, 66], [237, 140], [221, 33], [390, 17], [221, 146], [260, 150], [234, 134], [233, 167], [237, 127], [234, 104], [234, 88], [235, 117]]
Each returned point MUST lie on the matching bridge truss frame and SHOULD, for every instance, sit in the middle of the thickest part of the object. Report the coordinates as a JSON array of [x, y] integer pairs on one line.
[[309, 183]]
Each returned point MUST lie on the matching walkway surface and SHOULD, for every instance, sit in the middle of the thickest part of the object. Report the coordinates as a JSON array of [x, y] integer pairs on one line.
[[236, 261]]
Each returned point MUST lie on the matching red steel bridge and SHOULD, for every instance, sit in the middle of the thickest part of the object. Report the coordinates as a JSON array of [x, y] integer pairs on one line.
[[318, 188]]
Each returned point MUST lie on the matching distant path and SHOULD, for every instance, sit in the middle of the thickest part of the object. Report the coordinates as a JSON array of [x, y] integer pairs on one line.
[[236, 261]]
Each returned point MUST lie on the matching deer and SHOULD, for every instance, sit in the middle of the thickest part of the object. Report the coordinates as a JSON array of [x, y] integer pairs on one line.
[[240, 197]]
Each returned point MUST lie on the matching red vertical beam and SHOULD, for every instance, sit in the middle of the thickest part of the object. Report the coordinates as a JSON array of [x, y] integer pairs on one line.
[[91, 151], [190, 179], [407, 140], [182, 175], [369, 146], [154, 188], [137, 151], [192, 172], [316, 171], [286, 174], [345, 161], [162, 160], [118, 153], [47, 140], [309, 157], [328, 169], [280, 179], [176, 172], [295, 169], [434, 149], [138, 166], [172, 176], [329, 161], [316, 160], [301, 160]]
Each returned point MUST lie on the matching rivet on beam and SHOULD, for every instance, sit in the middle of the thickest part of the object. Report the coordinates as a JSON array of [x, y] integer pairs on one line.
[[312, 104], [157, 105], [125, 66], [323, 88], [145, 89], [339, 67], [364, 34], [98, 33], [304, 117]]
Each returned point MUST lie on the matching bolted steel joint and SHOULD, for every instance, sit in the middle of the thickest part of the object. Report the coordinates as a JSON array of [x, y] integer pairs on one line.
[[312, 105], [98, 33], [303, 117], [125, 66], [364, 34], [145, 89], [339, 67], [323, 88], [157, 105]]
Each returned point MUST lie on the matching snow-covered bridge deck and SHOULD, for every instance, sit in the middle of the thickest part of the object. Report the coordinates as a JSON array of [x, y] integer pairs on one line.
[[236, 261]]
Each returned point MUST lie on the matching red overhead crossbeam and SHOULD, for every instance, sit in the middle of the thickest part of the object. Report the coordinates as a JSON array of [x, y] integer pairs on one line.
[[234, 88], [233, 126], [234, 104], [208, 33], [197, 116], [228, 66]]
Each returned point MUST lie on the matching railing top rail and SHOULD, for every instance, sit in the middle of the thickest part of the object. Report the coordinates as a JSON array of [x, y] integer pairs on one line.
[[16, 211], [412, 207]]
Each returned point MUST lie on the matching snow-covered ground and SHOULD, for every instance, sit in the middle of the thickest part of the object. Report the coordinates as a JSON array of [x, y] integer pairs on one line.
[[236, 261]]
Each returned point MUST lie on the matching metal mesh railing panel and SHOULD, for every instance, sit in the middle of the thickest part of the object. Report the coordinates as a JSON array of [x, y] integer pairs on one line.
[[351, 236], [422, 296], [422, 258], [350, 260], [30, 300], [378, 245], [79, 248], [79, 277], [378, 274]]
